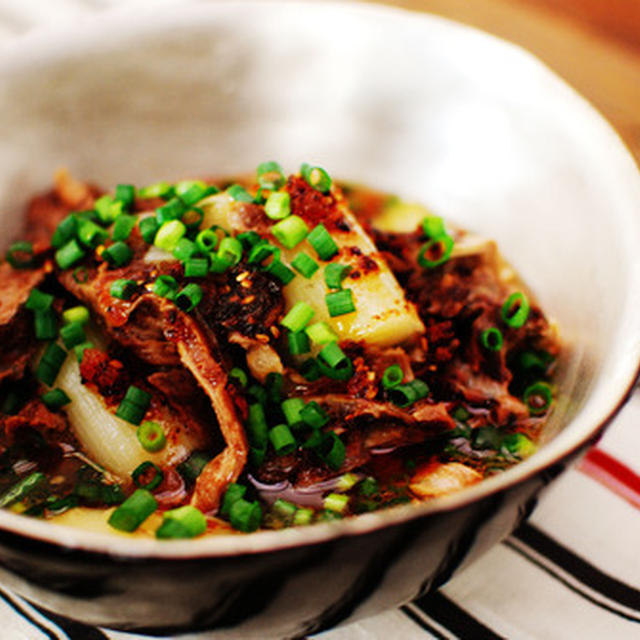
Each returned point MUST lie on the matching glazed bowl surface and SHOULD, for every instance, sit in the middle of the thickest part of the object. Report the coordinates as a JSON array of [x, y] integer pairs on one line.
[[471, 126]]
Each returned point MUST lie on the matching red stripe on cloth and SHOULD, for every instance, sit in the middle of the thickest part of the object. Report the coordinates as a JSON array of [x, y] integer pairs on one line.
[[614, 475]]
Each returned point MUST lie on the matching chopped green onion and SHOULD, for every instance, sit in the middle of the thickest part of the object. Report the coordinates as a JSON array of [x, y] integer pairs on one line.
[[80, 349], [192, 467], [284, 509], [207, 240], [270, 175], [185, 249], [69, 254], [148, 229], [404, 395], [192, 191], [189, 298], [368, 487], [230, 249], [257, 455], [280, 271], [257, 426], [321, 333], [278, 205], [169, 235], [335, 273], [65, 231], [298, 317], [282, 440], [333, 355], [45, 325], [123, 226], [193, 218], [239, 193], [140, 472], [239, 376], [433, 226], [196, 267], [218, 264], [126, 194], [436, 251], [392, 376], [492, 339], [245, 516], [157, 190], [171, 211], [515, 310], [538, 397], [55, 398], [261, 251], [291, 409], [257, 393], [310, 370], [72, 335], [249, 239], [518, 444], [274, 383], [151, 436], [314, 441], [108, 209], [347, 481], [332, 450], [165, 286], [290, 231], [134, 405], [486, 438], [123, 289], [302, 517], [298, 343], [133, 511], [20, 255], [50, 364], [80, 274], [233, 493], [320, 239], [22, 488], [314, 415], [118, 254], [90, 234], [304, 264], [461, 414], [39, 301], [183, 522], [336, 502], [316, 177], [535, 360], [77, 314]]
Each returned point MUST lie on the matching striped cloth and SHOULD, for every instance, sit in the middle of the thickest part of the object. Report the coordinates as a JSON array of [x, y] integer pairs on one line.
[[571, 571]]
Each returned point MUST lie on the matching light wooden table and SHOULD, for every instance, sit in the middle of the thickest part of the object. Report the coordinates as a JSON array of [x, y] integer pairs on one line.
[[593, 44]]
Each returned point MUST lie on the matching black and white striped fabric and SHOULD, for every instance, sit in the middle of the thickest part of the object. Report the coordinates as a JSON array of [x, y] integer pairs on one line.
[[572, 571]]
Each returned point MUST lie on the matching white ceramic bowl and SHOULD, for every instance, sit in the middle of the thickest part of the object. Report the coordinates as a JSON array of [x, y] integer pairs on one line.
[[471, 126]]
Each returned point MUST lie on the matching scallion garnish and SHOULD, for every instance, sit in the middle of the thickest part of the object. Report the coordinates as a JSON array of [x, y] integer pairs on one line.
[[207, 240], [65, 231], [298, 317], [39, 300], [404, 395], [196, 267], [165, 286], [335, 273], [340, 302], [245, 516], [316, 177], [79, 350], [298, 343], [334, 363], [239, 193], [302, 517], [314, 415], [193, 218], [192, 467], [70, 253], [140, 475], [148, 228], [189, 297], [72, 335], [156, 190], [22, 488], [284, 509], [249, 239], [392, 376], [515, 310], [45, 324], [518, 444], [538, 397], [185, 249], [169, 235], [50, 364], [108, 209], [282, 440], [310, 370], [230, 250], [133, 511], [492, 339], [233, 493], [433, 226], [173, 210], [291, 409], [280, 271], [239, 376], [332, 450], [192, 191], [183, 522], [436, 251], [304, 264], [151, 436], [80, 274], [321, 333], [278, 205], [257, 426], [55, 398], [320, 239], [123, 289], [290, 231], [118, 254], [134, 405], [123, 226], [126, 194], [270, 175], [336, 502], [77, 314]]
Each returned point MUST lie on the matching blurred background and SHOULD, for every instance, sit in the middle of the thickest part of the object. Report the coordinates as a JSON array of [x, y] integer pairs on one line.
[[593, 44]]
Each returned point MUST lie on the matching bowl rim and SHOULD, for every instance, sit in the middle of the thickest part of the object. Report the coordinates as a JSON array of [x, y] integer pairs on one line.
[[29, 50]]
